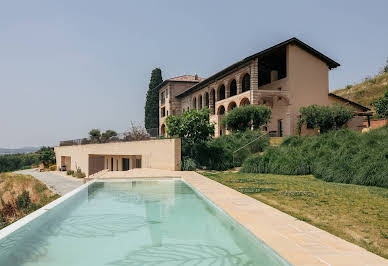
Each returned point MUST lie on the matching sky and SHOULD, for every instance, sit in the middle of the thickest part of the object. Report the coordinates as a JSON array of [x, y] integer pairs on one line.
[[69, 66]]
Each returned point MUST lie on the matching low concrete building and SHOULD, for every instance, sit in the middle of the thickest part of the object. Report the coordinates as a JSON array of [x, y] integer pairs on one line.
[[284, 77], [120, 156]]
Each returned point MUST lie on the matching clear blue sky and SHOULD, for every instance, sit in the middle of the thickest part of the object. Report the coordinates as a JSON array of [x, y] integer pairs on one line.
[[69, 66]]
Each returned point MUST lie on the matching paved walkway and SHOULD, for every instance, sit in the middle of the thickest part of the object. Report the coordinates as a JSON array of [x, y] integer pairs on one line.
[[298, 242], [55, 181]]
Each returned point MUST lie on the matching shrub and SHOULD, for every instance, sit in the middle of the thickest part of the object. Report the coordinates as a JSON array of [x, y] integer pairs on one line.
[[70, 172], [23, 200], [53, 167], [79, 173], [342, 156], [324, 118], [189, 165], [246, 117], [217, 154], [381, 105]]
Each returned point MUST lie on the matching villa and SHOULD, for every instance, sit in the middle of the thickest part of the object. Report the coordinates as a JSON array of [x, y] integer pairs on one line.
[[284, 77]]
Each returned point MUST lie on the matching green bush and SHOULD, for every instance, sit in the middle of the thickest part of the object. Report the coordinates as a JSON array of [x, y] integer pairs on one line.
[[246, 117], [217, 154], [342, 156], [324, 118], [23, 200], [189, 165], [70, 172], [79, 173], [381, 105]]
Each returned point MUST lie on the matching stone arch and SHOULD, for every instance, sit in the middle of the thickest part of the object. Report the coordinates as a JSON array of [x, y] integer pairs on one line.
[[221, 110], [233, 88], [231, 106], [200, 101], [246, 83], [163, 130], [221, 92], [244, 102], [207, 99]]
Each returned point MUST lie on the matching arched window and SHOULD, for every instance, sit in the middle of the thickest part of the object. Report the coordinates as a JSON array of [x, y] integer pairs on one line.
[[194, 103], [213, 93], [244, 102], [163, 130], [207, 100], [200, 102], [221, 110], [233, 88], [221, 93], [246, 83], [231, 106]]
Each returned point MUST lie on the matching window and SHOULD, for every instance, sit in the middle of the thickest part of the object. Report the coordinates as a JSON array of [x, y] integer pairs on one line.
[[200, 102], [163, 97], [207, 99], [163, 112], [221, 93], [233, 88], [246, 83]]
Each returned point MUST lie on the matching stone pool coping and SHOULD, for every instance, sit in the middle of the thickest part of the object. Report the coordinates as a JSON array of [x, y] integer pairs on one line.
[[296, 241]]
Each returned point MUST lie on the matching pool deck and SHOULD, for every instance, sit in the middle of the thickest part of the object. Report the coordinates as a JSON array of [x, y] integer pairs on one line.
[[298, 242]]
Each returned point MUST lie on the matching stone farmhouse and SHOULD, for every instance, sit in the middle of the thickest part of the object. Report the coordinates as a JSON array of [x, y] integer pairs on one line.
[[284, 77]]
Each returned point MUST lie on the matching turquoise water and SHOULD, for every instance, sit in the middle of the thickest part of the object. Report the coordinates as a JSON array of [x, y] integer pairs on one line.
[[134, 223]]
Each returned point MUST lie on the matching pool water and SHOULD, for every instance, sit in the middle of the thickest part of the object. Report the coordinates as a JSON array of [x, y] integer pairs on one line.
[[135, 223]]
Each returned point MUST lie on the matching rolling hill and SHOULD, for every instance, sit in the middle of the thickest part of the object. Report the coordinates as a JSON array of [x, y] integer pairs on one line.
[[367, 91]]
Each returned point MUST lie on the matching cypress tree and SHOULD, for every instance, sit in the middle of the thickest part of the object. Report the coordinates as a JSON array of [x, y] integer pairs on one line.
[[151, 108]]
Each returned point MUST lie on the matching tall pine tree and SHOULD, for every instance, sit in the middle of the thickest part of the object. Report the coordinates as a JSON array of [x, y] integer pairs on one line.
[[151, 108]]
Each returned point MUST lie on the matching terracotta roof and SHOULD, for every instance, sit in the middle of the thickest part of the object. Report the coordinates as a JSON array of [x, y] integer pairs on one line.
[[194, 78], [330, 63]]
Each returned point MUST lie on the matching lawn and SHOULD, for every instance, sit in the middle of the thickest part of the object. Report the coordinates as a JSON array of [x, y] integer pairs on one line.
[[356, 213], [21, 195]]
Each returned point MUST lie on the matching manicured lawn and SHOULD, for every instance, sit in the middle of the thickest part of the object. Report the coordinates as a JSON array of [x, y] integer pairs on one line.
[[358, 214], [14, 204]]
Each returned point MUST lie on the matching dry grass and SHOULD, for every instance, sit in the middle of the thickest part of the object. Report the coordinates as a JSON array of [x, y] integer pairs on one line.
[[13, 185], [358, 214], [367, 91]]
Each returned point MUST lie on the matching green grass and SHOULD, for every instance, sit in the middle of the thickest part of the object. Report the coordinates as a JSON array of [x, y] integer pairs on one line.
[[367, 91], [358, 214], [14, 187]]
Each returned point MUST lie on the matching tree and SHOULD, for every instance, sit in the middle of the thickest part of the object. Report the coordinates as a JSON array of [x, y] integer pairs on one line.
[[324, 118], [381, 105], [46, 156], [246, 117], [136, 132], [108, 135], [192, 126], [95, 135], [151, 108]]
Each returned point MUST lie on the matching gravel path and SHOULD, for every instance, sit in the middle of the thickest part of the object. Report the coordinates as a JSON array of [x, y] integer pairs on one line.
[[54, 181]]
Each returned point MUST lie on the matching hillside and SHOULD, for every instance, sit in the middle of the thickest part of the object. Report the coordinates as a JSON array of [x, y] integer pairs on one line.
[[367, 91], [18, 150]]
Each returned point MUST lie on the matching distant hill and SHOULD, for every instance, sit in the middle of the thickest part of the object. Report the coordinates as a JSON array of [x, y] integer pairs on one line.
[[19, 150], [367, 91]]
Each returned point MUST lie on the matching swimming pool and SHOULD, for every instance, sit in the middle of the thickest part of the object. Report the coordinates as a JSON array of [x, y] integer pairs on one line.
[[140, 222]]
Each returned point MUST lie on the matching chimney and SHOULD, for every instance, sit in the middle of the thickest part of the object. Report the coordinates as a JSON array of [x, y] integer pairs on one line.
[[196, 76]]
